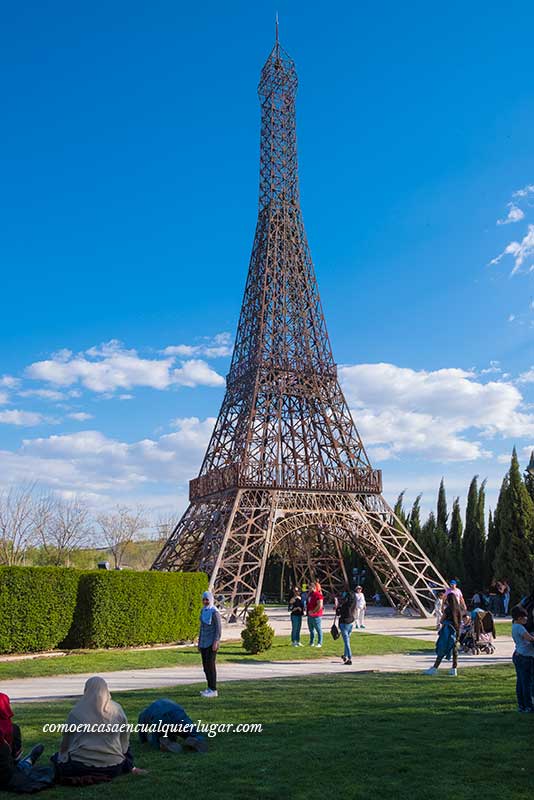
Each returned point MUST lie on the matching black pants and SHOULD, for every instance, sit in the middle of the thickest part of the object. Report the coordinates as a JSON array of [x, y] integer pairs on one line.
[[71, 769], [208, 663]]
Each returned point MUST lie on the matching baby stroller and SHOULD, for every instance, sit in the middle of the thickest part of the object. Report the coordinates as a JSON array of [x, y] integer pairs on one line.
[[480, 638]]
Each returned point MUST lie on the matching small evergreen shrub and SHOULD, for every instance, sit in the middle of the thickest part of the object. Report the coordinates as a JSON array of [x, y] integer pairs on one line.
[[257, 635]]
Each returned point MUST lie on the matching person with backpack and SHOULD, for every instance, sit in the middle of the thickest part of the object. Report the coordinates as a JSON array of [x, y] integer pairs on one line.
[[523, 659]]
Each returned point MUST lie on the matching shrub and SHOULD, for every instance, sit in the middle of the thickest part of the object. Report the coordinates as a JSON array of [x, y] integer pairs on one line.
[[122, 609], [257, 635], [36, 607]]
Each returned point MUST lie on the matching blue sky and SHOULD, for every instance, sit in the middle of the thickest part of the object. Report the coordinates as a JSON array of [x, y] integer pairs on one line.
[[128, 192]]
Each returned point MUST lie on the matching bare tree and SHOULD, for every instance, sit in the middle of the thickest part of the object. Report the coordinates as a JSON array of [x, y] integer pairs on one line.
[[17, 523], [120, 528], [64, 526]]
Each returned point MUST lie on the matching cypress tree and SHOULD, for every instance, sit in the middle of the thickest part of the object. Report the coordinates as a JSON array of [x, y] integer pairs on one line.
[[473, 539], [529, 476], [442, 516], [399, 509], [513, 558], [455, 542], [428, 538], [415, 519], [492, 542]]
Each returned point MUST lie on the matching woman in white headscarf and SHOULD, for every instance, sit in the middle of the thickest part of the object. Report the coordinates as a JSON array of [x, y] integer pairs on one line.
[[208, 642], [101, 745]]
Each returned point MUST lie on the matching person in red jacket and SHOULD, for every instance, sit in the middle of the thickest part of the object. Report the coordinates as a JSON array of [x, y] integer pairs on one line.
[[315, 612]]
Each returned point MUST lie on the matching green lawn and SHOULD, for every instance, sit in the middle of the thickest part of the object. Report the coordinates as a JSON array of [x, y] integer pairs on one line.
[[108, 660], [354, 736]]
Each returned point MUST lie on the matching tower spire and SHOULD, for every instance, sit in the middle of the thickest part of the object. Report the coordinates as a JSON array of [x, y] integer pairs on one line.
[[276, 25]]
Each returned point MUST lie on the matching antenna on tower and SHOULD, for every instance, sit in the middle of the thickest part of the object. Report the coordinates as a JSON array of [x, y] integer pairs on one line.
[[276, 26]]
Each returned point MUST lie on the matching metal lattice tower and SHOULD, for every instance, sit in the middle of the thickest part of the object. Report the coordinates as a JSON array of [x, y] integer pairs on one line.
[[286, 471]]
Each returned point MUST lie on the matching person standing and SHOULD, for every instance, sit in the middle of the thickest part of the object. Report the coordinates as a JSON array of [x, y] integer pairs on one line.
[[449, 636], [346, 611], [438, 607], [208, 642], [506, 598], [523, 659], [315, 613], [361, 605], [296, 611], [457, 592]]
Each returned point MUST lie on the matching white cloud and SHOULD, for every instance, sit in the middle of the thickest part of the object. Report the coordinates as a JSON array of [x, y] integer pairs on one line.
[[89, 462], [43, 394], [216, 347], [511, 318], [431, 414], [23, 418], [110, 366], [515, 214], [494, 367], [9, 382], [3, 398], [80, 416], [524, 192], [519, 250]]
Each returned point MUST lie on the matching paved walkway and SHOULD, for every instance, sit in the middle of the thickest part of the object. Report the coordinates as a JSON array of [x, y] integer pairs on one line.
[[379, 621]]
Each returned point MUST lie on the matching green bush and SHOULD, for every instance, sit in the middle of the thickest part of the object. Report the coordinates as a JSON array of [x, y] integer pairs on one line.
[[36, 607], [257, 635], [122, 609]]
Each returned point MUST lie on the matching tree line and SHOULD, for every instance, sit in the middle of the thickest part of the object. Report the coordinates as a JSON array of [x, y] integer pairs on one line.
[[45, 529], [475, 554]]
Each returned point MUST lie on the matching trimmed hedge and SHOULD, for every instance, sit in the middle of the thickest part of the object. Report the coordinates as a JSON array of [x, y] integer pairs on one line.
[[122, 609], [45, 607], [37, 607]]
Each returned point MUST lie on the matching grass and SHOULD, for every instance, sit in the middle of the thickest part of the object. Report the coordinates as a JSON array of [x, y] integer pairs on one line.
[[109, 660], [347, 735]]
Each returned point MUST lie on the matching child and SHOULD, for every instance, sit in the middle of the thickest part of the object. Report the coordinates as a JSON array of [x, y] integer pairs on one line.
[[438, 607], [523, 659], [361, 605], [466, 629]]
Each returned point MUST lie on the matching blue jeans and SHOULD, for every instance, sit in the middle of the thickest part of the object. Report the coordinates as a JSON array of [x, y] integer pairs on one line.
[[296, 624], [314, 626], [524, 670], [346, 630]]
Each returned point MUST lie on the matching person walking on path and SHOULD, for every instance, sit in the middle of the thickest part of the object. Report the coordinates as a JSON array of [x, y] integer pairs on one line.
[[315, 613], [523, 659], [346, 611], [448, 637], [361, 605], [208, 642], [296, 610], [438, 607]]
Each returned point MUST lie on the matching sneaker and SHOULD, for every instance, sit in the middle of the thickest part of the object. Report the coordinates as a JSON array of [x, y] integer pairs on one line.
[[299, 644], [431, 671], [205, 693], [348, 662], [318, 645], [362, 627], [197, 744], [36, 753], [453, 672], [344, 658], [168, 746], [294, 644], [312, 644], [210, 693]]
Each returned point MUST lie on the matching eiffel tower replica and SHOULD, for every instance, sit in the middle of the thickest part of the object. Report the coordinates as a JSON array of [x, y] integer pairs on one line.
[[286, 472]]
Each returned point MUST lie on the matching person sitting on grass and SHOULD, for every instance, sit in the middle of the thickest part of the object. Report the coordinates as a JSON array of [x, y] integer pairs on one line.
[[296, 610], [523, 659], [17, 774], [315, 612], [208, 642], [346, 611], [96, 754], [448, 637], [167, 712]]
